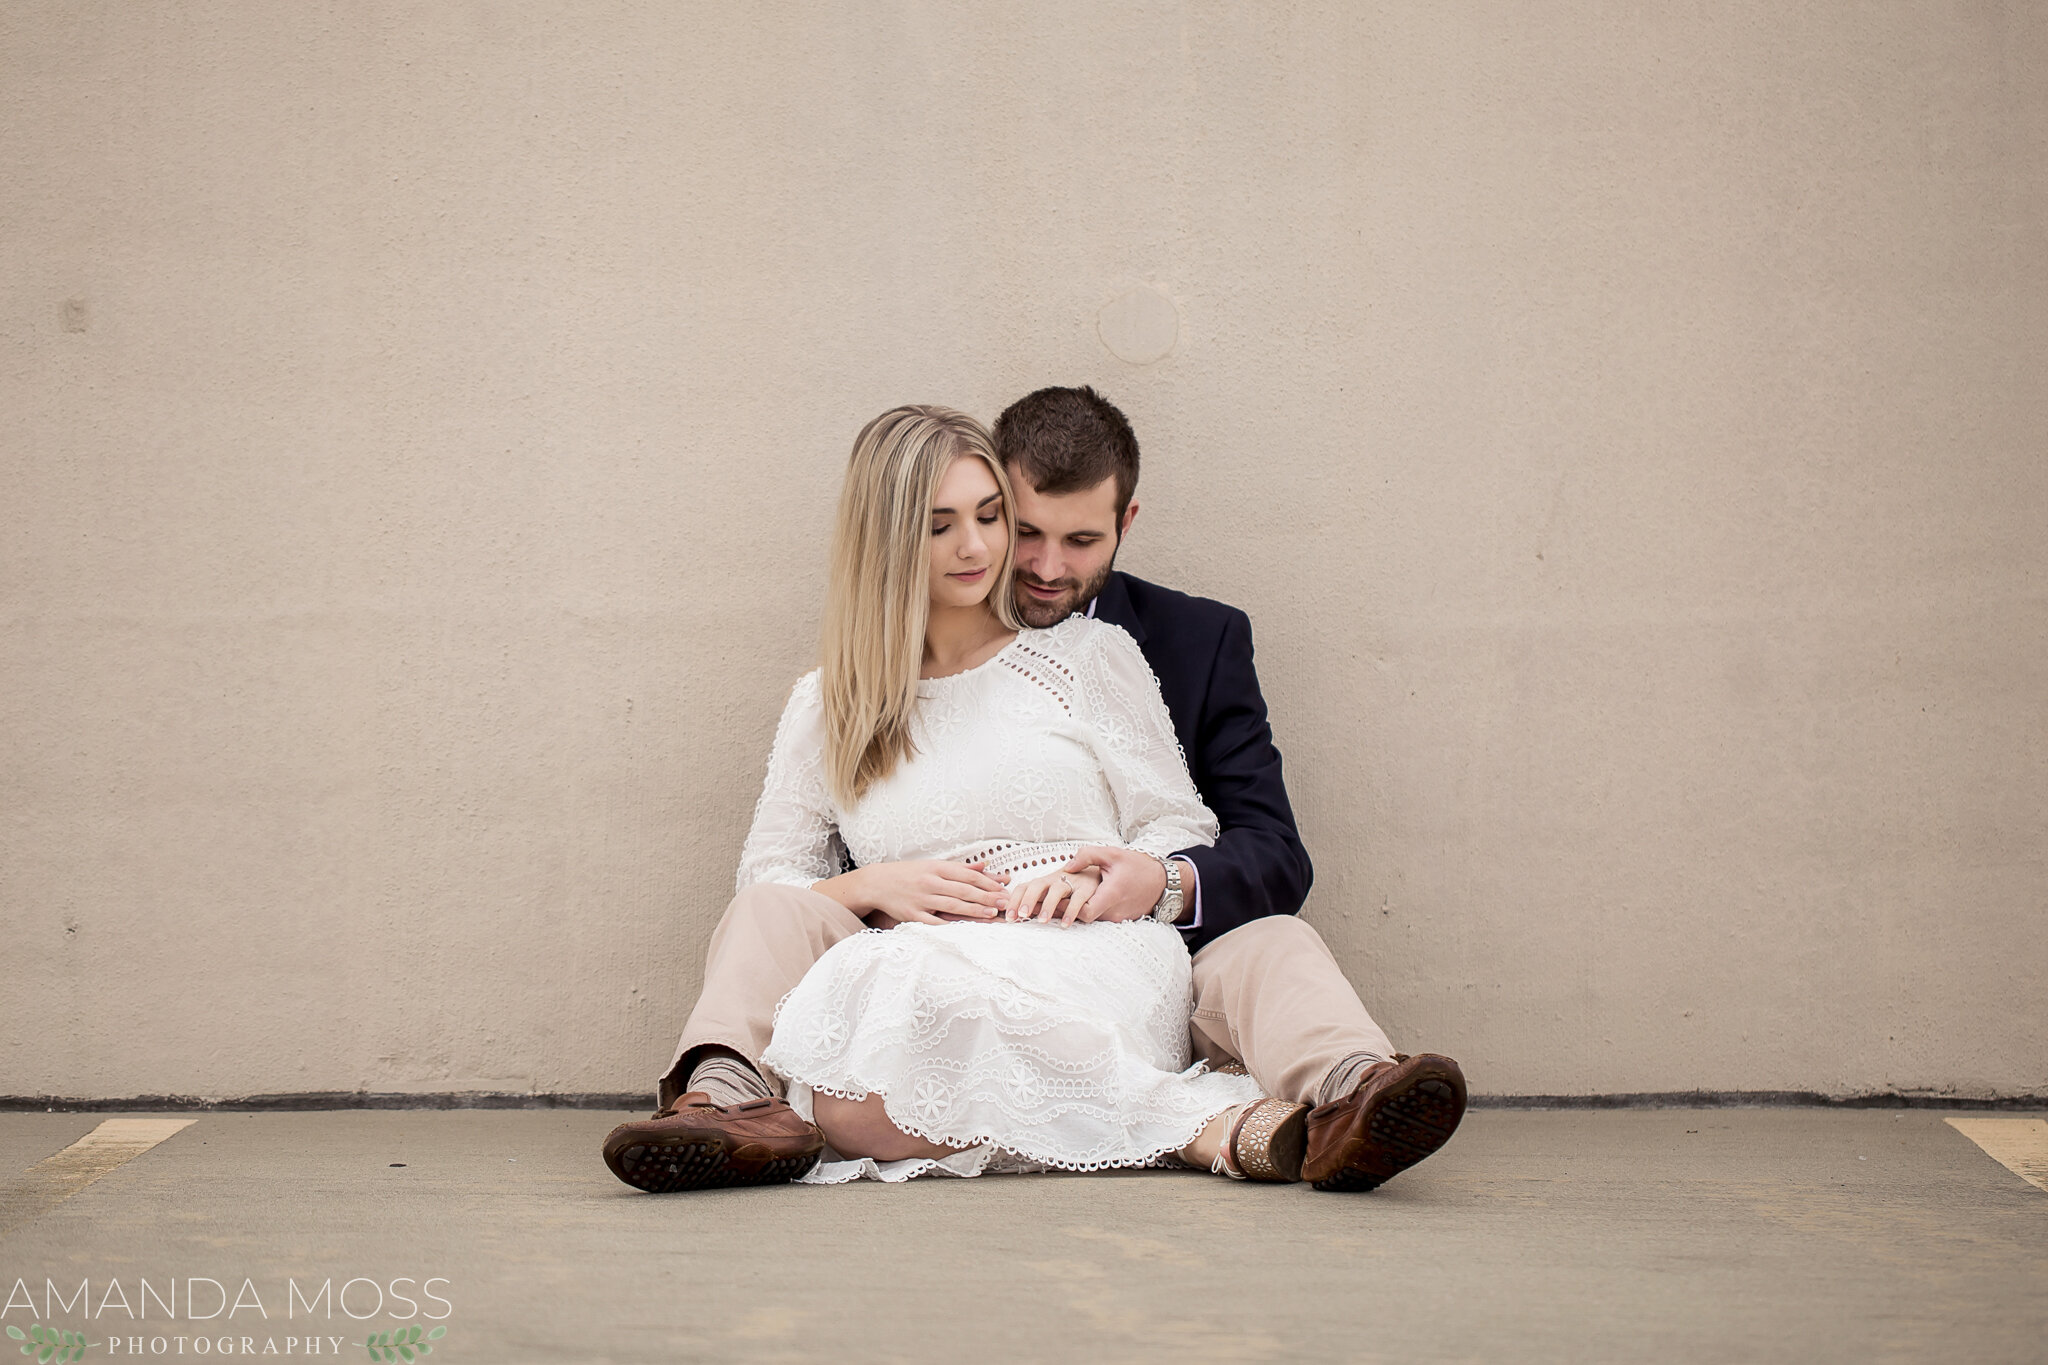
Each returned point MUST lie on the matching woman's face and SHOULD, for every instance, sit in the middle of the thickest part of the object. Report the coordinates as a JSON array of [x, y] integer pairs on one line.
[[968, 534]]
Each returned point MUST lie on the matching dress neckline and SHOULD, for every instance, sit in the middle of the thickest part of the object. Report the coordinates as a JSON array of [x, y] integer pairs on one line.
[[989, 662]]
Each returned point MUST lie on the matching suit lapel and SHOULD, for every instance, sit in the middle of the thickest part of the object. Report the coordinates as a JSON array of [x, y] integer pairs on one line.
[[1113, 604]]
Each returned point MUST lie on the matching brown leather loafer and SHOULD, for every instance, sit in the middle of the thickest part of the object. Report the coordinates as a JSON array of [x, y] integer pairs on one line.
[[1401, 1112], [693, 1145]]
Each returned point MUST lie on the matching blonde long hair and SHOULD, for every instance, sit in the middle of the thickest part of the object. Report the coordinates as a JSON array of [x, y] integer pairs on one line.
[[872, 642]]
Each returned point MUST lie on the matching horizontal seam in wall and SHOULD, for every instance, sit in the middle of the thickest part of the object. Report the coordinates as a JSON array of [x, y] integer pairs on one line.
[[636, 1099]]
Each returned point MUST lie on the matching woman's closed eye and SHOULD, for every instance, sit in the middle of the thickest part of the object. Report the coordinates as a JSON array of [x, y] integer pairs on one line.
[[985, 521]]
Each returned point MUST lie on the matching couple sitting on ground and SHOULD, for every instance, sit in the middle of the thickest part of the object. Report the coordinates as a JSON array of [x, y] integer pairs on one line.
[[1092, 957]]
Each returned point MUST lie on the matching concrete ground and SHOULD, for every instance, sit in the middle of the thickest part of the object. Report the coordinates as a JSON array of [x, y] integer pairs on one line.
[[1649, 1235]]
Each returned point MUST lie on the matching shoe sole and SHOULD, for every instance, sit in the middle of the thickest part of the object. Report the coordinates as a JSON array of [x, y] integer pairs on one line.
[[1407, 1126], [666, 1165], [1289, 1145]]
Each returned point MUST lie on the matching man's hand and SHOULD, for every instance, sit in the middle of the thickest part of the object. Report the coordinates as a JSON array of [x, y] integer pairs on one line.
[[1132, 882], [926, 891]]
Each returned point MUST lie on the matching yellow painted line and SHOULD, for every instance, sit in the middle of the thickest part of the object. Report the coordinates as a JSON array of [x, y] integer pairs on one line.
[[55, 1179], [2019, 1145]]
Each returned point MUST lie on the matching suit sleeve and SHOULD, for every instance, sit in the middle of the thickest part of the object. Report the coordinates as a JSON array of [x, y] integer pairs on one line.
[[1257, 866]]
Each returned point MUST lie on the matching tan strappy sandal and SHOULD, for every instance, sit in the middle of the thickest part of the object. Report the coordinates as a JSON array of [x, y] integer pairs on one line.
[[1267, 1141]]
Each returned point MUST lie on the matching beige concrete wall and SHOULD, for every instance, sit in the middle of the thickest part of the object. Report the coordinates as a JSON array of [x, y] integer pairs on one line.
[[1623, 424]]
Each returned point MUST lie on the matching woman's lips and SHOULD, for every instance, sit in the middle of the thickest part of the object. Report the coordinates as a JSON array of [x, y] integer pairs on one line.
[[968, 577]]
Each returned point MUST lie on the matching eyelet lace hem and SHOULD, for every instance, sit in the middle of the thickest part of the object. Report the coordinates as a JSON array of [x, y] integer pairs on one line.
[[962, 1144]]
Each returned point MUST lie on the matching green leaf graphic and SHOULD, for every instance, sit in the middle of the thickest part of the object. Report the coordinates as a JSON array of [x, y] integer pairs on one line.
[[407, 1343], [16, 1332]]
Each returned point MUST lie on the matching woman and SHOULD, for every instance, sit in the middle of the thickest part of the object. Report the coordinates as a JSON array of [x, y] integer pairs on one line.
[[939, 727]]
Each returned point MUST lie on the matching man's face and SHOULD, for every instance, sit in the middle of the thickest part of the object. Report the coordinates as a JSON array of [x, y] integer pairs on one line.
[[1066, 547]]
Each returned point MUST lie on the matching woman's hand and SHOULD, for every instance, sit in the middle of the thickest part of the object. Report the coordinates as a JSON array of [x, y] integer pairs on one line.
[[926, 891], [1064, 896]]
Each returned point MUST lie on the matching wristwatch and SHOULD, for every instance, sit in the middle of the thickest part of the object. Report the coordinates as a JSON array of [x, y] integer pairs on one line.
[[1169, 907]]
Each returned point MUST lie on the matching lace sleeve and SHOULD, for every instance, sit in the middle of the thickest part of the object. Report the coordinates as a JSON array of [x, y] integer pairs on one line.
[[1158, 809], [795, 835]]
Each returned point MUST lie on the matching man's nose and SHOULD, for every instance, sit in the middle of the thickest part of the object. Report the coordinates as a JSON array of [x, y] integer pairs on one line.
[[1039, 562]]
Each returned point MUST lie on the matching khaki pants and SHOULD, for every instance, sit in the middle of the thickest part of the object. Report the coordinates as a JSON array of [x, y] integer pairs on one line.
[[1267, 994]]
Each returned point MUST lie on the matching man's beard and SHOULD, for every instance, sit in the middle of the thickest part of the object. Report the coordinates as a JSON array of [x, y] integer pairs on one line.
[[1039, 614]]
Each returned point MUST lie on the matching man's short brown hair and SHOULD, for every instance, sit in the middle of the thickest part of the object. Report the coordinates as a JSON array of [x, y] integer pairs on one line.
[[1065, 440]]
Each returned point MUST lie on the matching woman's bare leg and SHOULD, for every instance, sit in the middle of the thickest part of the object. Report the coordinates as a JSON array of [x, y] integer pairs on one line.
[[1202, 1152], [862, 1128]]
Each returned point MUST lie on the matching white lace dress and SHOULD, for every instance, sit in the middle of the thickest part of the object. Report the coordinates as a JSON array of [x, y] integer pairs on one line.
[[1030, 1045]]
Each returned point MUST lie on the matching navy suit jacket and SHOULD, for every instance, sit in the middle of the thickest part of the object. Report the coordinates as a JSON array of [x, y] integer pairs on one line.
[[1201, 652]]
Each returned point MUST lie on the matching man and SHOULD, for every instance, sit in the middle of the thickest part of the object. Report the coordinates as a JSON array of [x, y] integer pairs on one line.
[[1268, 994]]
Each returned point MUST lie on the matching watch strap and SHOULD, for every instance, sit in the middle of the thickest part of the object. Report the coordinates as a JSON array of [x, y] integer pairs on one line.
[[1173, 899]]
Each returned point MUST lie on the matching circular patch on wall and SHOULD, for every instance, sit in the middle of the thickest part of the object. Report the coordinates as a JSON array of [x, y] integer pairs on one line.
[[1139, 326]]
